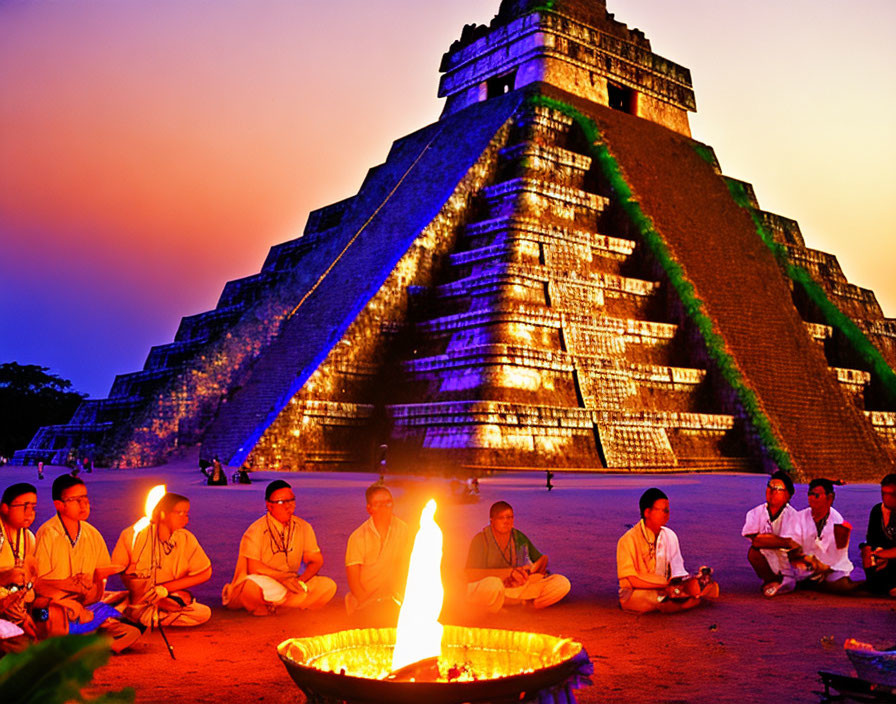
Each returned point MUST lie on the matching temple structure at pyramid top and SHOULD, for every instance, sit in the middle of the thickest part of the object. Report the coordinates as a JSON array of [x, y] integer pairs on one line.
[[553, 274], [576, 45]]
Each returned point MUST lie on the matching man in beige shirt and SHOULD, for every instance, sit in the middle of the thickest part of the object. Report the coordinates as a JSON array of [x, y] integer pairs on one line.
[[17, 566], [651, 571], [161, 564], [376, 557], [279, 561], [72, 566]]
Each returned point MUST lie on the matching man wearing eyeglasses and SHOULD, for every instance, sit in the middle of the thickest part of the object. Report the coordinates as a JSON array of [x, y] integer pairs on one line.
[[279, 561], [17, 566], [376, 559], [72, 566], [879, 548], [505, 568], [773, 529], [825, 540]]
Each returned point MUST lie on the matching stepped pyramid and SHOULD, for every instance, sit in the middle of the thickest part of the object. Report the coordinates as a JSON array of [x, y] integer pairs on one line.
[[554, 274]]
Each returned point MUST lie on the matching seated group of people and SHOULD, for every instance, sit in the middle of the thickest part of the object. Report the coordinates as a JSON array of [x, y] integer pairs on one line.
[[53, 582], [788, 547]]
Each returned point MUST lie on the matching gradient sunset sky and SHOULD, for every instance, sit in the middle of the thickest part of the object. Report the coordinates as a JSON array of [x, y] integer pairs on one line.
[[151, 151]]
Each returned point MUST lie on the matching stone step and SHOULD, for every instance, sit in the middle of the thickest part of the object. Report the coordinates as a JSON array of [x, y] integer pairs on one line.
[[138, 383], [542, 317], [539, 199], [505, 274], [547, 162], [172, 355], [516, 227], [208, 324], [627, 439]]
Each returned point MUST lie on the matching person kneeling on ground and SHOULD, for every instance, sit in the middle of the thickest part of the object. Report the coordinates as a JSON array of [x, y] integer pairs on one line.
[[879, 548], [376, 558], [773, 529], [651, 571], [279, 561], [72, 566], [161, 563], [500, 569], [824, 538]]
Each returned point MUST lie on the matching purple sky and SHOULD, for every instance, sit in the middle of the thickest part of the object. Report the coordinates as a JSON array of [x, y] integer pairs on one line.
[[149, 152]]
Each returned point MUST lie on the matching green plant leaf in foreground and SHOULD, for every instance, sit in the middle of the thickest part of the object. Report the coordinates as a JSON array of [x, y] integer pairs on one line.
[[55, 670]]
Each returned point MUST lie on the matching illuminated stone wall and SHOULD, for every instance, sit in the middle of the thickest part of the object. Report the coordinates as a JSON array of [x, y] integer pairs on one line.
[[178, 413], [352, 376]]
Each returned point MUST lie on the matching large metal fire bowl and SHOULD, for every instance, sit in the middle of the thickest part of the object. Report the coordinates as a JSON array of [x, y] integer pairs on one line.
[[508, 666]]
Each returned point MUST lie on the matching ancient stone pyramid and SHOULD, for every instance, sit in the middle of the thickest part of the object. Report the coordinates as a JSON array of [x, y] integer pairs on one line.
[[554, 274]]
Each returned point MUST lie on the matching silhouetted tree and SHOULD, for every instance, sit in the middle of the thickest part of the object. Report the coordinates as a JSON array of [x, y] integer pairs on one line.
[[30, 397]]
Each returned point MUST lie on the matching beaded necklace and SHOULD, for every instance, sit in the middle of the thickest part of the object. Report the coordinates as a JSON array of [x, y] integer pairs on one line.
[[508, 553], [285, 536], [651, 544], [67, 535]]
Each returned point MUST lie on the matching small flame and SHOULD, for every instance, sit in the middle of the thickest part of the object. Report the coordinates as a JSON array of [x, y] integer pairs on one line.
[[152, 498], [419, 633]]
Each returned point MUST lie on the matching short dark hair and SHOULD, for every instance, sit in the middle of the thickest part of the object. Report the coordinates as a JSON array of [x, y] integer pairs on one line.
[[826, 484], [889, 480], [649, 498], [784, 477], [63, 483], [371, 491], [275, 486], [167, 504], [497, 507], [11, 493]]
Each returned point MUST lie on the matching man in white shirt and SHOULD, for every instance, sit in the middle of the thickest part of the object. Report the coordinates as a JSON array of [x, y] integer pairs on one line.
[[825, 540], [376, 558], [773, 529]]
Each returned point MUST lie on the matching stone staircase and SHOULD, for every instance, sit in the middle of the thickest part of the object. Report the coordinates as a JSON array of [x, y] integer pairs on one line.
[[547, 342]]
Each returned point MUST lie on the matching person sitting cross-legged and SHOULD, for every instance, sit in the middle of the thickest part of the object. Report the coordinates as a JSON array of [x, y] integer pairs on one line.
[[376, 558], [651, 571], [279, 561], [500, 569], [162, 563], [72, 566]]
